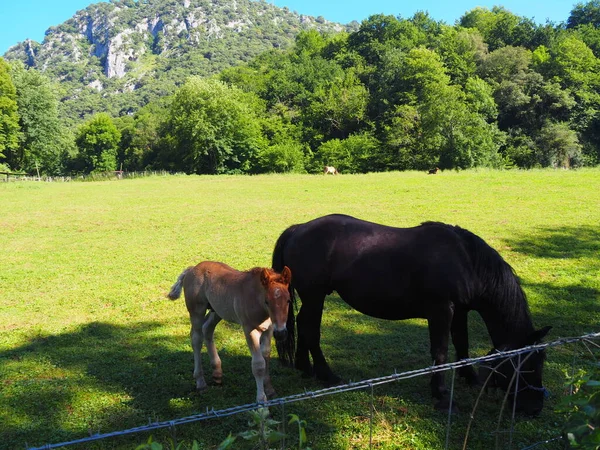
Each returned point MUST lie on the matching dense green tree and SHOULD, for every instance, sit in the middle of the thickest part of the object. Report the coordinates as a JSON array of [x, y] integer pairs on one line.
[[574, 66], [444, 126], [283, 157], [454, 135], [97, 141], [400, 135], [212, 127], [337, 107], [9, 118], [351, 155], [480, 95], [590, 34], [379, 33], [584, 14], [523, 97], [461, 50], [500, 27], [558, 146], [139, 137], [43, 140]]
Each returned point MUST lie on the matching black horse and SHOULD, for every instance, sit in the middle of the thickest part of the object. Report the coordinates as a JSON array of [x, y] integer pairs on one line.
[[433, 271]]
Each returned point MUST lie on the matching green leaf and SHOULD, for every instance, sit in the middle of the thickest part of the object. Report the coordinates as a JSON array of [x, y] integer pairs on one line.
[[275, 436], [249, 435], [229, 440], [302, 438]]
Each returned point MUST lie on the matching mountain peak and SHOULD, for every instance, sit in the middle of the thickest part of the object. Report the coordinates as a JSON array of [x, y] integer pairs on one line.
[[124, 45]]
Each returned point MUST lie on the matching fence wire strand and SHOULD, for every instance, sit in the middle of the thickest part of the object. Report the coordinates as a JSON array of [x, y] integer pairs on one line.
[[349, 387]]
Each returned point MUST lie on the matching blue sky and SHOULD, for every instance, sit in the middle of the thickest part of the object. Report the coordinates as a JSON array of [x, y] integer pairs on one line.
[[22, 19]]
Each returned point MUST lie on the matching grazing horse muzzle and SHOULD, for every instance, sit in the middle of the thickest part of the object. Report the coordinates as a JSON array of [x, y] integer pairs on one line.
[[280, 335], [523, 380]]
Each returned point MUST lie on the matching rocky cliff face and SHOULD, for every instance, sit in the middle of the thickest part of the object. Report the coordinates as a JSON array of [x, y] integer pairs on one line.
[[116, 57], [119, 34]]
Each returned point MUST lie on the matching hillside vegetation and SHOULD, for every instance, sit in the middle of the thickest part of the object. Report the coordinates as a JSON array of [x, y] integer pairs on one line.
[[115, 57], [493, 90]]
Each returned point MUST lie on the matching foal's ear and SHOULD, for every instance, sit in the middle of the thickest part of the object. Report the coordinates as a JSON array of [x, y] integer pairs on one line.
[[265, 277], [286, 274], [538, 335]]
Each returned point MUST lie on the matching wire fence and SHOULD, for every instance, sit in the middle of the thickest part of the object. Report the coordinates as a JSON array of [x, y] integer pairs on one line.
[[103, 176], [352, 386]]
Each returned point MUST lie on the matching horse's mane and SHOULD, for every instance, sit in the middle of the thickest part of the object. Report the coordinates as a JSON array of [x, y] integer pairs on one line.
[[498, 284], [287, 349]]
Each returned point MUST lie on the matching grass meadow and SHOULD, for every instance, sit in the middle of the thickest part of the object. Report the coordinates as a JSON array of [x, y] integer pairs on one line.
[[89, 343]]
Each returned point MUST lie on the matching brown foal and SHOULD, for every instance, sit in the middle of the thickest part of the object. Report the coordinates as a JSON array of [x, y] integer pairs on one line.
[[257, 299]]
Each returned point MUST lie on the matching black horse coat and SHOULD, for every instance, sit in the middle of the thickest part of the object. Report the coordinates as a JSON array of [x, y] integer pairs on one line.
[[433, 271]]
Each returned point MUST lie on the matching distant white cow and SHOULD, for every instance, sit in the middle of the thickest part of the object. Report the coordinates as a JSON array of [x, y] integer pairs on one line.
[[330, 169]]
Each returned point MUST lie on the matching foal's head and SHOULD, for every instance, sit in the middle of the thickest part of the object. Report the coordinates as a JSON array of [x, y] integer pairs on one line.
[[277, 298]]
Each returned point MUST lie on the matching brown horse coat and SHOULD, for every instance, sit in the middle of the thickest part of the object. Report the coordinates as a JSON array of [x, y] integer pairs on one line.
[[257, 299]]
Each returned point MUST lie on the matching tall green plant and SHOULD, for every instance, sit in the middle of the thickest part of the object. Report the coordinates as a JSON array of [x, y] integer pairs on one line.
[[9, 118], [98, 141], [212, 128], [582, 428], [263, 431]]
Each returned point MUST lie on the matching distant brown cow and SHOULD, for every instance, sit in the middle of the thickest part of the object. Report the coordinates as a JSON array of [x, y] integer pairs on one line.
[[330, 169]]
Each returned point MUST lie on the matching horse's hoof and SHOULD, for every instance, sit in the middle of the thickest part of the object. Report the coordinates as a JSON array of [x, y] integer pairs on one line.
[[470, 376], [333, 381], [329, 379], [201, 389], [444, 406], [473, 382], [217, 381], [307, 371]]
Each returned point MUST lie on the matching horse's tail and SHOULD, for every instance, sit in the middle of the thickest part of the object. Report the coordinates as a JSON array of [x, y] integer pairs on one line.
[[286, 348], [498, 285], [175, 291]]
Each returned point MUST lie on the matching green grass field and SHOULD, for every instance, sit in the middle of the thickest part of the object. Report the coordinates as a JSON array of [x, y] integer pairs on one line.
[[88, 342]]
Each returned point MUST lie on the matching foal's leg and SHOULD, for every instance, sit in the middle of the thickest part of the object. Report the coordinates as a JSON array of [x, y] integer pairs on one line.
[[460, 339], [309, 338], [439, 336], [208, 329], [197, 319], [258, 363], [265, 348]]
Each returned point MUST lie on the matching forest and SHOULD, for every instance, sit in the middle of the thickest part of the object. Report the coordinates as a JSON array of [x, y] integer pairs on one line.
[[493, 90]]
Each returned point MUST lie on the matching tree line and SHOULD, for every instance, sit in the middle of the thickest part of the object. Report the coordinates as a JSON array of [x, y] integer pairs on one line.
[[493, 90]]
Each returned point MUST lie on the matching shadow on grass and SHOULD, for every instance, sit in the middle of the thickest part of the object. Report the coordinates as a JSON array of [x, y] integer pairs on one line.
[[105, 377], [563, 242], [571, 300]]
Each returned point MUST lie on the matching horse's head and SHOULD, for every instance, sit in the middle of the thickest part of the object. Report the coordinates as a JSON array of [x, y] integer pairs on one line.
[[521, 374], [277, 298]]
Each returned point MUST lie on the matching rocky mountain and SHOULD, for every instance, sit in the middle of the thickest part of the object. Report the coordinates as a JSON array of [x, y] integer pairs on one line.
[[117, 56]]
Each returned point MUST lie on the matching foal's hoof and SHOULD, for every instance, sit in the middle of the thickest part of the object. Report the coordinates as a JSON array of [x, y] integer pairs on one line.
[[444, 406], [218, 381]]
